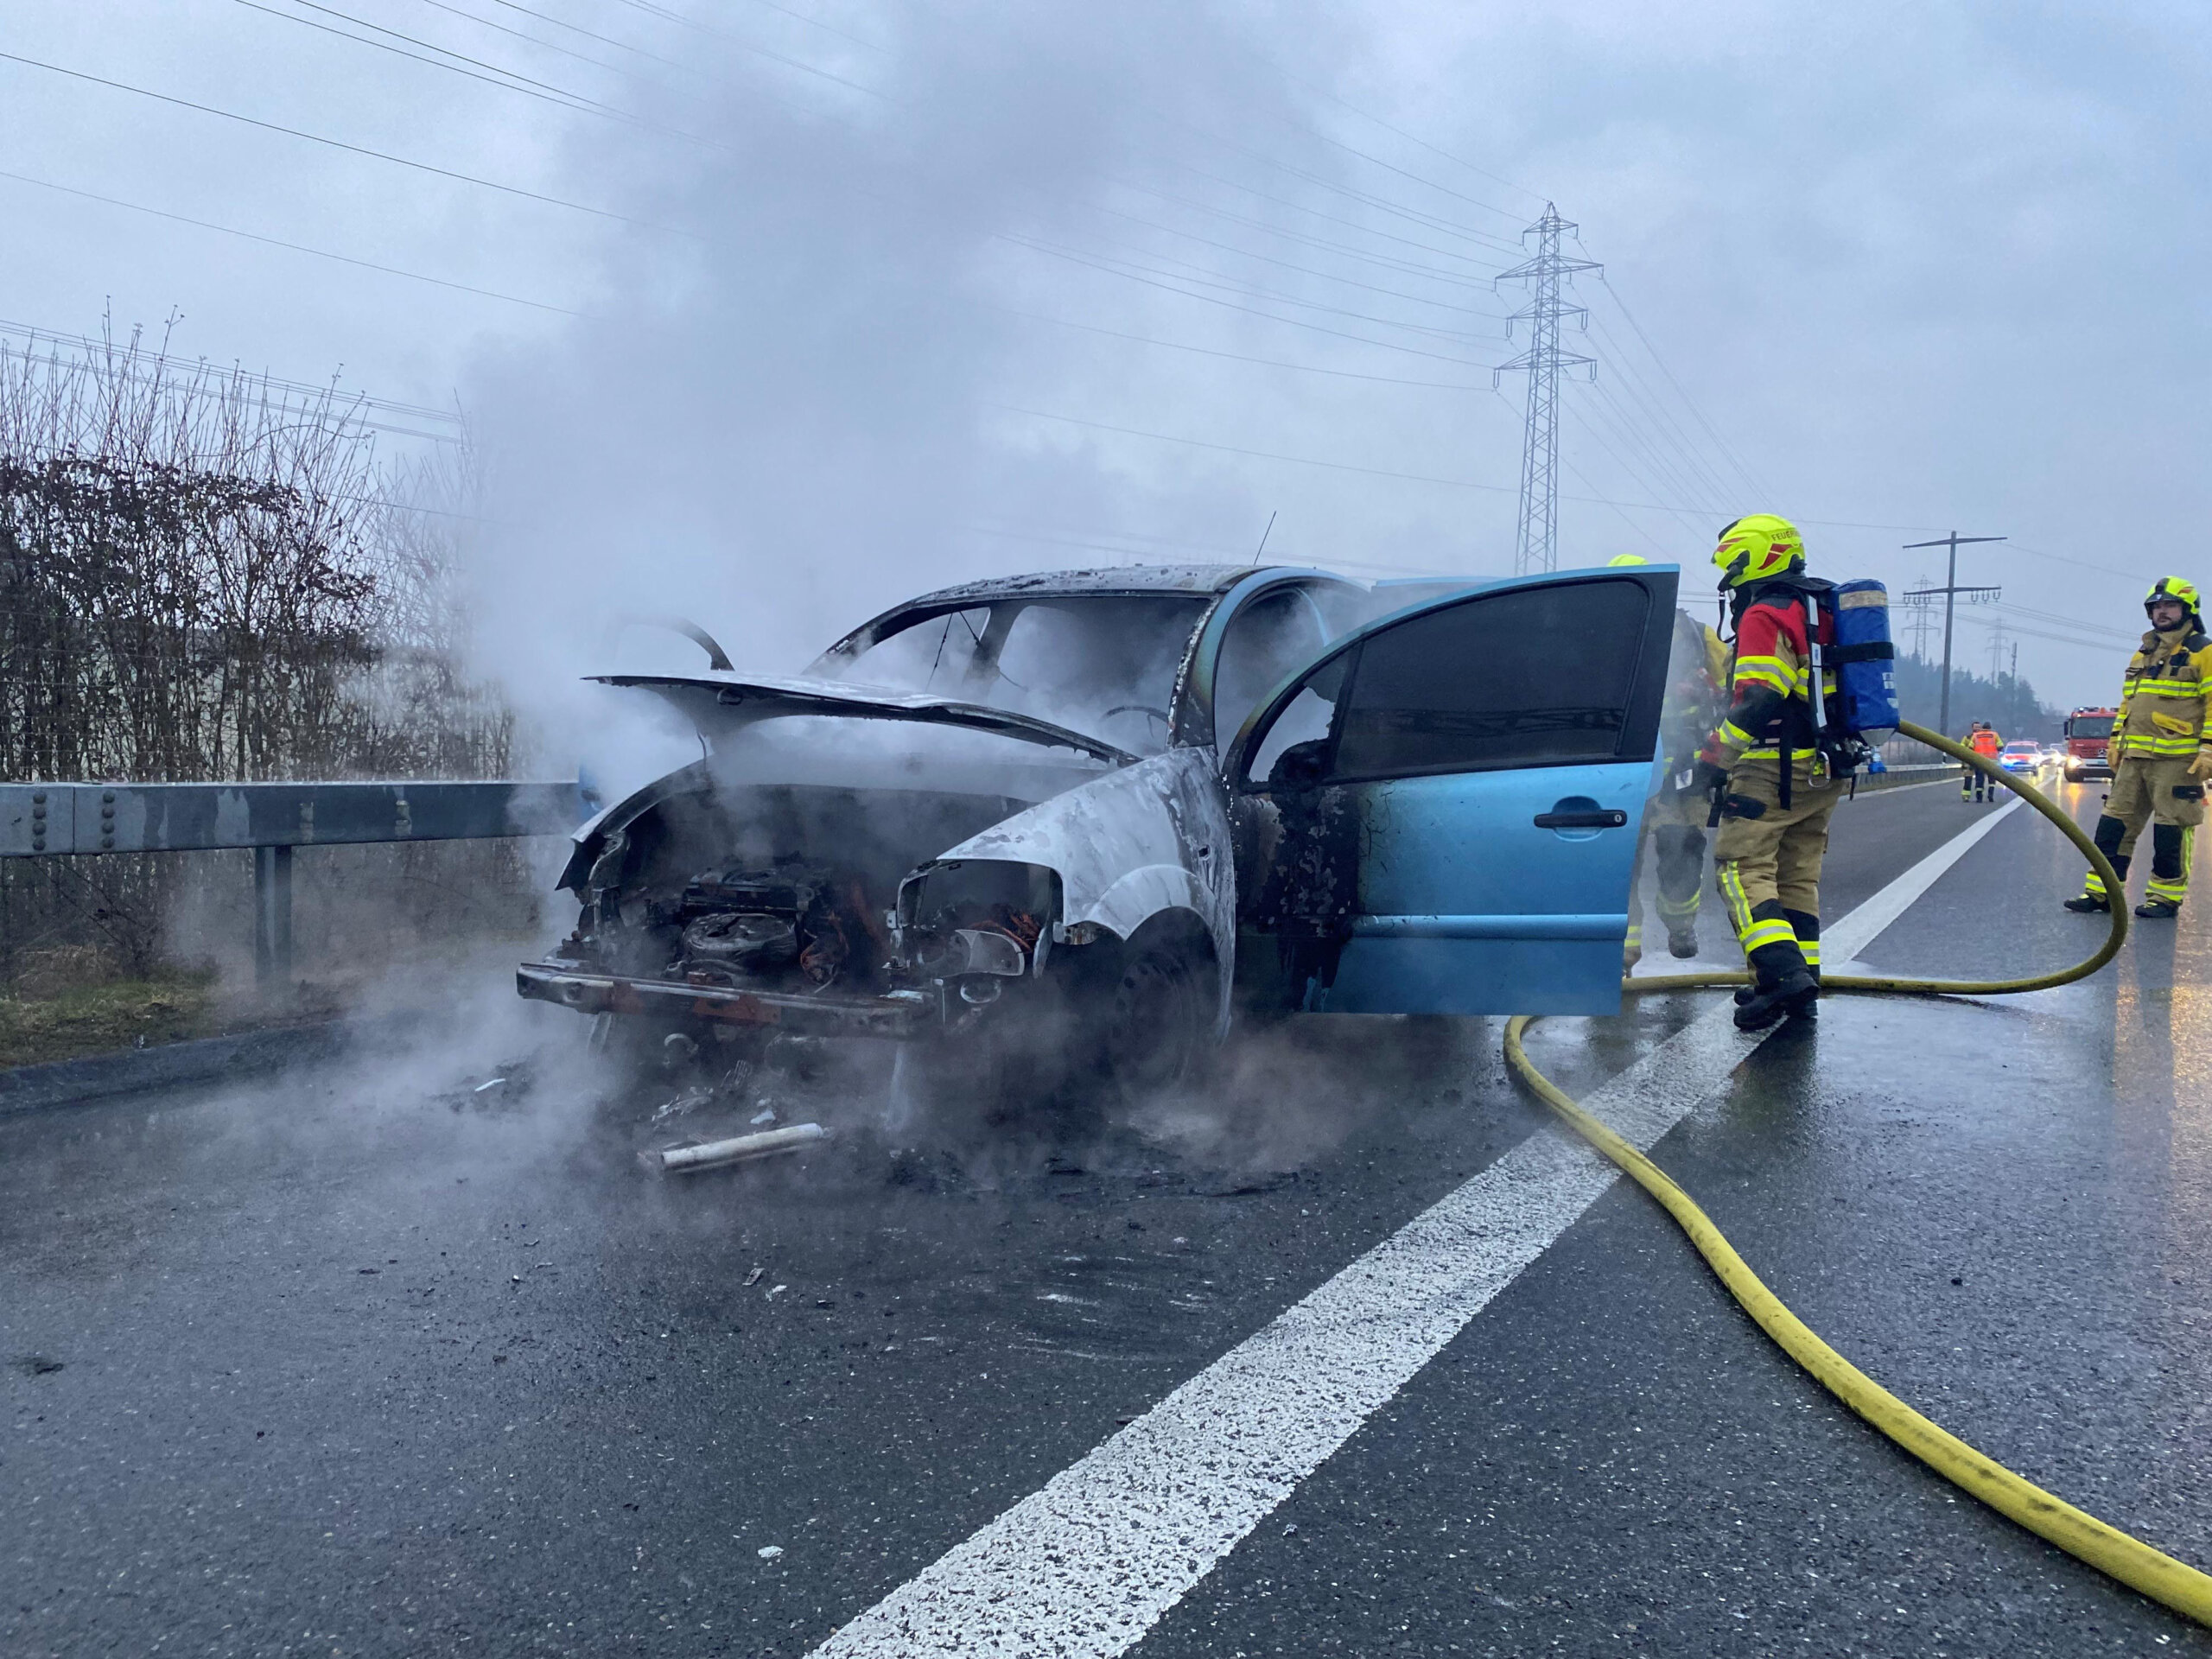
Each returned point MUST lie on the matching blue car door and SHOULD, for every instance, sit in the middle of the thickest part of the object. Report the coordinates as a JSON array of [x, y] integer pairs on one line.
[[1439, 816]]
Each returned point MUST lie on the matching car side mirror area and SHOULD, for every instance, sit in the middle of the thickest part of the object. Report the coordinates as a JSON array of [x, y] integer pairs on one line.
[[1301, 766]]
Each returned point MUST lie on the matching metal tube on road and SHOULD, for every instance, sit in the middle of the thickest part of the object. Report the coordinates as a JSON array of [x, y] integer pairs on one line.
[[712, 1155]]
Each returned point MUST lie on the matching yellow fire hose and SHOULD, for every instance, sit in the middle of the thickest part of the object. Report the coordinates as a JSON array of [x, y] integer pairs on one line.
[[2134, 1563]]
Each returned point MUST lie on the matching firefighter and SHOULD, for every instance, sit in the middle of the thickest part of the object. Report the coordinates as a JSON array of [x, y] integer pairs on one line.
[[1673, 819], [2161, 754], [1976, 785], [1776, 792]]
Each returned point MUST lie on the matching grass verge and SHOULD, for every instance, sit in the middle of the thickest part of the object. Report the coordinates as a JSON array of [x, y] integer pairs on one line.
[[97, 1019]]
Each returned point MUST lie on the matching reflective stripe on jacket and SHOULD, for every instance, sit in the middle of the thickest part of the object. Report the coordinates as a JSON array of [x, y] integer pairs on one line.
[[2162, 703], [1768, 683]]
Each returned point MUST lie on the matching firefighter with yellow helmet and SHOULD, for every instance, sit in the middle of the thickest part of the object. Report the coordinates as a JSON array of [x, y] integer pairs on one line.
[[1675, 819], [2161, 754], [1776, 791]]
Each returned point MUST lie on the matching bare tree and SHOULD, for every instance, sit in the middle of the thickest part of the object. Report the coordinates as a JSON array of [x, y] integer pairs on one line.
[[209, 574]]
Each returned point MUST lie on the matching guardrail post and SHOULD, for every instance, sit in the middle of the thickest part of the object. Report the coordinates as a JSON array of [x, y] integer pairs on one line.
[[272, 915]]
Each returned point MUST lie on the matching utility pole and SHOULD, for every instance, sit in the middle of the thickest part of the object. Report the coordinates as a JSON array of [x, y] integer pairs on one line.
[[1536, 545], [1951, 590]]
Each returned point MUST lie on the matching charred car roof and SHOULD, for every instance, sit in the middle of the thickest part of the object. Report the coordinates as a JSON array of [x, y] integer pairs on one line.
[[1196, 581]]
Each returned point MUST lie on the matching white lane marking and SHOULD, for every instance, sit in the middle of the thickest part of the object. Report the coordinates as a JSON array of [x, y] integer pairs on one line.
[[1864, 924], [1083, 1568]]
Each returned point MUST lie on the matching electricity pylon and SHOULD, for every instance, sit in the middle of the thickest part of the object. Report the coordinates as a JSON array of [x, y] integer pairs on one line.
[[1535, 546]]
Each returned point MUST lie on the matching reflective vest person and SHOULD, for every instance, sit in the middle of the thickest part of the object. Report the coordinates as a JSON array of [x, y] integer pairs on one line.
[[1673, 819], [1776, 792], [1984, 740], [2161, 754]]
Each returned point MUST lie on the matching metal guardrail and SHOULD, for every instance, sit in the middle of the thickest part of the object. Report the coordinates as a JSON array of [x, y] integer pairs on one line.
[[52, 820]]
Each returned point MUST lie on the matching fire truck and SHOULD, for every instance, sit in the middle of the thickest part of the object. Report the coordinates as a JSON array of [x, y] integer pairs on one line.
[[2088, 740]]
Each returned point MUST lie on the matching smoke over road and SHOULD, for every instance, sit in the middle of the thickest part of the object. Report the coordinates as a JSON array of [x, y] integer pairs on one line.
[[789, 409]]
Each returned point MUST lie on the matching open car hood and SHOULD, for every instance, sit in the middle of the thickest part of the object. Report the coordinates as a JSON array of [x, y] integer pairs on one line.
[[720, 705]]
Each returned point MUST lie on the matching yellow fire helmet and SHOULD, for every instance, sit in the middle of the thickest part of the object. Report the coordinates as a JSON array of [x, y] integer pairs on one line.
[[1625, 558], [1756, 548], [2174, 588]]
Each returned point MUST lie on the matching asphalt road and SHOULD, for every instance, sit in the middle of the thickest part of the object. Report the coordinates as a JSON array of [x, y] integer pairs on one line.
[[370, 1362]]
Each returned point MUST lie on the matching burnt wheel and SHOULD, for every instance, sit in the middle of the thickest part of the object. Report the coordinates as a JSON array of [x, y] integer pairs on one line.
[[1154, 1028]]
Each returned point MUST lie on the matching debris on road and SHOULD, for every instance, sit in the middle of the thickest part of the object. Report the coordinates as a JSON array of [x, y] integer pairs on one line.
[[769, 1552], [494, 1083], [765, 1115], [775, 1291], [38, 1365], [754, 1277], [712, 1155]]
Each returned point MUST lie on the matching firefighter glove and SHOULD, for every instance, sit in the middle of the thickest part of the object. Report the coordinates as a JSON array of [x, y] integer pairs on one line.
[[1706, 778], [2201, 767]]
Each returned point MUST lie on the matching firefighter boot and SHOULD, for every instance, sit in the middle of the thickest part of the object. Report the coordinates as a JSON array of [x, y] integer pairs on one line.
[[1782, 986], [1680, 850], [1806, 926], [2170, 847], [2093, 899]]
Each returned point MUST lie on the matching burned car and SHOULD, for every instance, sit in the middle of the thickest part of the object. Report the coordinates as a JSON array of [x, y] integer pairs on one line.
[[1067, 826]]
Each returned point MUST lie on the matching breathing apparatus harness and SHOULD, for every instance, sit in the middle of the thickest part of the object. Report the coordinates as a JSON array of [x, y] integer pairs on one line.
[[1843, 727]]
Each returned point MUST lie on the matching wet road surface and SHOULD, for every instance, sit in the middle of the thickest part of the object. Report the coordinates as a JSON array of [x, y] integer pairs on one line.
[[367, 1362]]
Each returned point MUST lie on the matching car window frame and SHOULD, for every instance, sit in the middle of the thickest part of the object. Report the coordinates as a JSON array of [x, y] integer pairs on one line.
[[1197, 717], [1644, 687]]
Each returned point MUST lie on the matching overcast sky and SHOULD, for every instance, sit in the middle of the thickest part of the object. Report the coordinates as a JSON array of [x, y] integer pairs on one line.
[[878, 297]]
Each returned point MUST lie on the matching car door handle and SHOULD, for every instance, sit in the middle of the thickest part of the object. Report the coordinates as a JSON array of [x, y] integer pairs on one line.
[[1612, 819]]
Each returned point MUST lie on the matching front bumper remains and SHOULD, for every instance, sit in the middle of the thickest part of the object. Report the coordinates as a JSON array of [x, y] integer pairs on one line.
[[893, 1014]]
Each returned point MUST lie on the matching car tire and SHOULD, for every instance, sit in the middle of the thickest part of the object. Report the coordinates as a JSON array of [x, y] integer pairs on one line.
[[2072, 776], [1152, 1028]]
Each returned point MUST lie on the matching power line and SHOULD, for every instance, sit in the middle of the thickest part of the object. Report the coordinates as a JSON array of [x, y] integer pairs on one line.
[[1696, 413], [1617, 418], [1432, 220], [2039, 633], [512, 33], [307, 388], [513, 79], [1666, 426], [1207, 277], [604, 39], [339, 143], [804, 18], [1376, 472], [1635, 476], [542, 91], [295, 247], [1284, 265], [1407, 266], [739, 41], [546, 91], [1293, 323], [2068, 559], [1332, 218], [1657, 546], [1533, 196], [1262, 454], [1238, 357]]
